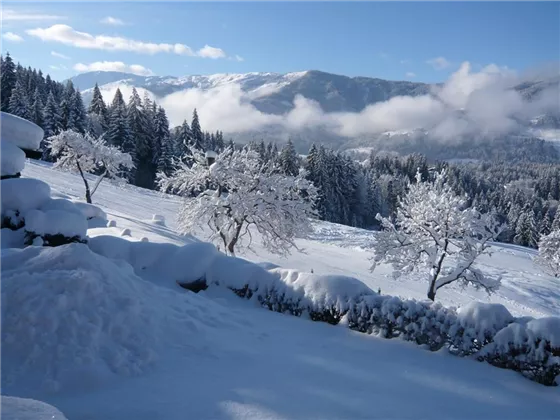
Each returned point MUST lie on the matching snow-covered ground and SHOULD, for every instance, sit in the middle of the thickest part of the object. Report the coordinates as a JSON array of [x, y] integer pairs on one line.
[[214, 356]]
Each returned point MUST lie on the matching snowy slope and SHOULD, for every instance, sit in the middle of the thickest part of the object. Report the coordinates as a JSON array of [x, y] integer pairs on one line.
[[333, 249], [215, 356]]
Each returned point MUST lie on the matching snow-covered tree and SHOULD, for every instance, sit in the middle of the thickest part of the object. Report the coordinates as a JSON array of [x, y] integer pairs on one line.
[[36, 113], [19, 104], [236, 194], [434, 232], [288, 159], [8, 81], [84, 153], [197, 137], [549, 253]]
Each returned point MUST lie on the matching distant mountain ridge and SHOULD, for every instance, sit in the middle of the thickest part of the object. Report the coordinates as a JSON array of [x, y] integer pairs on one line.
[[274, 94]]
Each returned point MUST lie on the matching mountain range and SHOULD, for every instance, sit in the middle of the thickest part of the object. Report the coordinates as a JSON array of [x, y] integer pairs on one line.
[[274, 95]]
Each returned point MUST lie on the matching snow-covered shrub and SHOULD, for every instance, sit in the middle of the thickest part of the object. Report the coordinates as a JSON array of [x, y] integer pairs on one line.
[[144, 239], [532, 348], [126, 232], [22, 194], [112, 223], [90, 211], [55, 227], [12, 160], [436, 234], [477, 324], [20, 132]]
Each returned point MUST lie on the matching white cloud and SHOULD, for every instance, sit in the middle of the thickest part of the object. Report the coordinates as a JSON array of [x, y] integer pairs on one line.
[[439, 63], [211, 52], [10, 36], [13, 15], [59, 55], [239, 58], [410, 75], [58, 68], [67, 35], [109, 20], [114, 66]]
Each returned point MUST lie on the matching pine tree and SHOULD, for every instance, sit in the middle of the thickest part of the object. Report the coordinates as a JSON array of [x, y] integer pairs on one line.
[[525, 231], [77, 118], [288, 159], [182, 141], [52, 125], [19, 104], [67, 104], [37, 109], [118, 133], [97, 110], [162, 135], [261, 150], [139, 127], [7, 82], [219, 141], [197, 137], [556, 221]]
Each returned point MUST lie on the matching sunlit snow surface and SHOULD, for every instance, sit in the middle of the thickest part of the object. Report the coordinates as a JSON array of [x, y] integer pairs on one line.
[[220, 357]]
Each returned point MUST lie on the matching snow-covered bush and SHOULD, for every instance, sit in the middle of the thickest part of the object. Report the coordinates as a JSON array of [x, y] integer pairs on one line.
[[20, 132], [12, 160], [84, 153], [90, 211], [435, 233], [20, 195], [549, 253], [532, 348], [54, 227], [236, 193]]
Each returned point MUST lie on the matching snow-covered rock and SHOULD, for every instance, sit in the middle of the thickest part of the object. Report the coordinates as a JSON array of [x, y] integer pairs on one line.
[[14, 408], [21, 132], [112, 223], [22, 194], [126, 232], [12, 158], [56, 222]]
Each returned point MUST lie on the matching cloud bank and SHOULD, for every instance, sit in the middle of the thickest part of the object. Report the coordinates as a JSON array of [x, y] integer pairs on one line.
[[469, 104], [114, 66]]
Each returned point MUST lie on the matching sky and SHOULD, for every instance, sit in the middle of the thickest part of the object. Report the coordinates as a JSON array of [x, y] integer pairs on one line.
[[417, 41]]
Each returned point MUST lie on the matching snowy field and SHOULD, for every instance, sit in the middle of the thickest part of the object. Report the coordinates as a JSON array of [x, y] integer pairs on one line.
[[214, 356]]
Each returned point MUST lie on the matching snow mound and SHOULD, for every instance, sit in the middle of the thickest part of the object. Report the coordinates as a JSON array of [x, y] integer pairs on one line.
[[90, 211], [73, 318], [22, 194], [56, 222], [20, 132], [14, 408], [60, 204], [144, 239], [12, 158], [12, 238], [158, 219], [546, 328], [112, 223], [126, 232], [164, 264]]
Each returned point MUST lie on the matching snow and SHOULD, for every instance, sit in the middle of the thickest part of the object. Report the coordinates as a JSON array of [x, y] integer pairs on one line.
[[546, 327], [13, 158], [20, 194], [487, 316], [159, 351], [14, 408], [89, 210], [53, 222], [22, 133]]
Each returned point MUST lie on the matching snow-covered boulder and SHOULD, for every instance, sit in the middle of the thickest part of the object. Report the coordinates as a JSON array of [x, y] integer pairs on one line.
[[14, 408], [22, 194], [73, 318], [55, 227], [12, 159], [19, 131]]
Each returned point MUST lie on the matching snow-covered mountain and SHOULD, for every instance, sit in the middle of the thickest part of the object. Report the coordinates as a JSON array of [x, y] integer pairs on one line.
[[271, 93], [306, 107]]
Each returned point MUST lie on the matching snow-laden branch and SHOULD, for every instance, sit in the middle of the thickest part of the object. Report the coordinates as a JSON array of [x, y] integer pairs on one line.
[[238, 192], [87, 154], [433, 231], [549, 253]]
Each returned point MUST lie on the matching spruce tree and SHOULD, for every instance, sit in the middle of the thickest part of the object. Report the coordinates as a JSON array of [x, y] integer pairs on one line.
[[161, 131], [77, 118], [288, 159], [197, 137], [19, 104], [52, 124], [7, 81], [37, 109], [97, 109], [219, 141], [118, 133], [139, 127]]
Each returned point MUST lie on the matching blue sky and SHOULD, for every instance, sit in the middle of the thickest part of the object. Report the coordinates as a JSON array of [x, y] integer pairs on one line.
[[392, 40]]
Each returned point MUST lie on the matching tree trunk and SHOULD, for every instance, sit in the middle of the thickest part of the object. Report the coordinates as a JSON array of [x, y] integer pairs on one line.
[[88, 194], [432, 292], [235, 238]]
